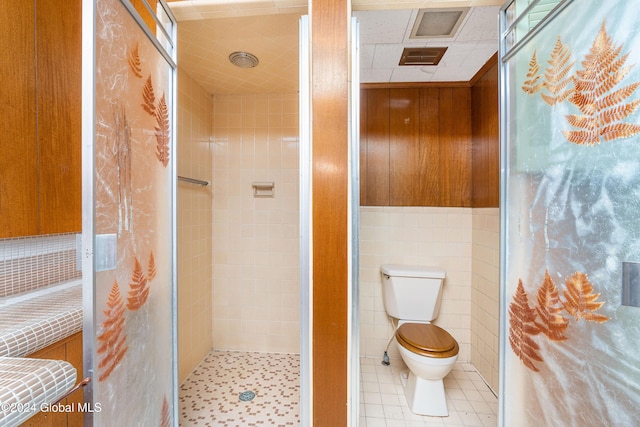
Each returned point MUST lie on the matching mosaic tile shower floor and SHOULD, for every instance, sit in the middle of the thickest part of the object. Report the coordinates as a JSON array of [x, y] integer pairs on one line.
[[215, 393], [211, 396]]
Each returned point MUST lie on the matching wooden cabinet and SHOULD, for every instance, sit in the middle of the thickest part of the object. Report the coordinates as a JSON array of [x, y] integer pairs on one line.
[[70, 350], [40, 101], [416, 146]]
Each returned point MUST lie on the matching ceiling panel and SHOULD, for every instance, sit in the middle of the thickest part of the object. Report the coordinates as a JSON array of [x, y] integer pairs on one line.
[[210, 30], [204, 47]]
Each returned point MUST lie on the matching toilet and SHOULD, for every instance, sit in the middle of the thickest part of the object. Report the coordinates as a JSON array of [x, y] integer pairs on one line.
[[412, 296]]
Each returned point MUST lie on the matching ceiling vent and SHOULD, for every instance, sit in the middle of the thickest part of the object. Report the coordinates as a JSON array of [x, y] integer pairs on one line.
[[438, 23], [243, 59], [422, 55]]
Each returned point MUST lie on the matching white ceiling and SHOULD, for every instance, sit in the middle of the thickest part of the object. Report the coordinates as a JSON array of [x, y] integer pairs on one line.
[[205, 41], [384, 34]]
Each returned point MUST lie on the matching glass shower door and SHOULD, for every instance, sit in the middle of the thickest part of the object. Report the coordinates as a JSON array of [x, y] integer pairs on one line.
[[570, 261], [129, 213]]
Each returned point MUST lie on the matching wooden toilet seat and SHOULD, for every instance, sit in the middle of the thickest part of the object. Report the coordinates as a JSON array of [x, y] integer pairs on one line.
[[427, 340]]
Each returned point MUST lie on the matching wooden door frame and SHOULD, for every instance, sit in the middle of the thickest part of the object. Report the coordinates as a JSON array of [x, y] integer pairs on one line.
[[330, 173]]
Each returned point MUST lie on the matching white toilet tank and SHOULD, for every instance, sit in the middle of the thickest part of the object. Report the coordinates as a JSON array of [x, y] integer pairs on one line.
[[412, 292]]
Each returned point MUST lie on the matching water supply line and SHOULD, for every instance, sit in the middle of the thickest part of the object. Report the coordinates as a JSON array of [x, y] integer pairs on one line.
[[385, 356]]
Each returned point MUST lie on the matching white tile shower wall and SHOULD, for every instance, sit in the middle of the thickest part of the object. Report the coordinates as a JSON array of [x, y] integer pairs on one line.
[[255, 240], [485, 294], [195, 224], [30, 263], [415, 235]]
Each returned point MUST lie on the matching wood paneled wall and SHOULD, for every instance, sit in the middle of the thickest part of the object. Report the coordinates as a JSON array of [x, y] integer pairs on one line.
[[431, 144], [59, 77], [416, 146], [40, 166], [455, 147], [18, 161], [330, 174], [374, 142], [486, 136], [404, 144]]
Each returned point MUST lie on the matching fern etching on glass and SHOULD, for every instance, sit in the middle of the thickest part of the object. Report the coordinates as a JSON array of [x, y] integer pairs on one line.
[[522, 327], [592, 89], [546, 317], [112, 339], [159, 111]]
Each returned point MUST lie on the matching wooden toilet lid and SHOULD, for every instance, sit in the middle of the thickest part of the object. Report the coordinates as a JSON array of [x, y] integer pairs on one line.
[[427, 340]]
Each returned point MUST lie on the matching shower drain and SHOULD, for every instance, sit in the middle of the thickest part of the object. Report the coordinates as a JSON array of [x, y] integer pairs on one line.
[[246, 396]]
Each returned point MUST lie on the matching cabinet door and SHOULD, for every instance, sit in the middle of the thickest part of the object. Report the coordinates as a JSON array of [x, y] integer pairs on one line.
[[70, 350], [74, 355], [455, 146], [404, 147], [18, 156], [55, 351], [377, 151], [59, 52]]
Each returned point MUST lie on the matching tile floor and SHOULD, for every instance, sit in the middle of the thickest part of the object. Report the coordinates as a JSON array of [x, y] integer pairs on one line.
[[382, 401], [211, 396]]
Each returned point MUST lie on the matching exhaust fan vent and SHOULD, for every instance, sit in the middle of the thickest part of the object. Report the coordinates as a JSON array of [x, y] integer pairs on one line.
[[438, 23], [422, 55], [243, 59]]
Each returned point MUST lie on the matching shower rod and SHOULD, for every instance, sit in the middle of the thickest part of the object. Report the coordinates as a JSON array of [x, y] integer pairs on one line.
[[193, 180]]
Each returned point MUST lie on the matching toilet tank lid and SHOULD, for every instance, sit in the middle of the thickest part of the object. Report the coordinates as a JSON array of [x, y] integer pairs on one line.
[[398, 270]]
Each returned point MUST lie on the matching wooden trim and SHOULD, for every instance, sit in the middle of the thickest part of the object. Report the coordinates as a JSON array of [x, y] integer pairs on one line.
[[412, 85], [330, 174], [484, 69]]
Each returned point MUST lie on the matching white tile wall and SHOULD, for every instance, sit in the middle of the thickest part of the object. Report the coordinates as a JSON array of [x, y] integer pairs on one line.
[[415, 235], [194, 224], [255, 240], [486, 291]]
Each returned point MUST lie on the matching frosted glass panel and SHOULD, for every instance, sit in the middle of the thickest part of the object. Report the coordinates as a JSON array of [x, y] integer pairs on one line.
[[571, 222], [133, 358]]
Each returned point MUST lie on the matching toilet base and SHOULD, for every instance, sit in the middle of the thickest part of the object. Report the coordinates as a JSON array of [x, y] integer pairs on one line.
[[425, 397]]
